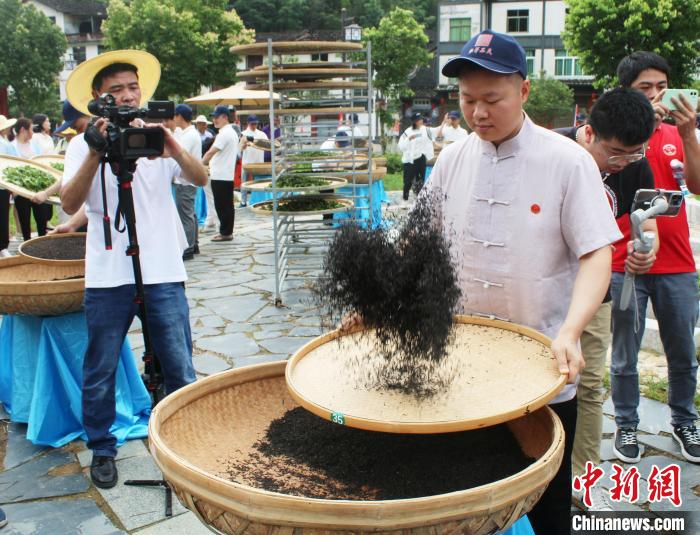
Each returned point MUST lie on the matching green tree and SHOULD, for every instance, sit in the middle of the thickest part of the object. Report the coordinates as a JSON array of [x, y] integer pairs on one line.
[[602, 32], [550, 101], [31, 57], [190, 38], [399, 47]]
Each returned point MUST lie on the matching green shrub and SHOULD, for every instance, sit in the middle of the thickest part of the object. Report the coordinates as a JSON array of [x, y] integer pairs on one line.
[[393, 162]]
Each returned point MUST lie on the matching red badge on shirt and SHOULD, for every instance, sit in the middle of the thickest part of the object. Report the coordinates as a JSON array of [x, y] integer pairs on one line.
[[535, 208], [669, 149]]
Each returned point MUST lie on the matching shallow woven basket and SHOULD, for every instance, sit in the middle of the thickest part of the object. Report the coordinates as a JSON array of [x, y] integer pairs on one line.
[[39, 289], [212, 418], [25, 246]]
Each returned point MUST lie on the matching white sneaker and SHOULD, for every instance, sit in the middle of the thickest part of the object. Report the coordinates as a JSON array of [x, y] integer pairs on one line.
[[599, 500], [5, 253]]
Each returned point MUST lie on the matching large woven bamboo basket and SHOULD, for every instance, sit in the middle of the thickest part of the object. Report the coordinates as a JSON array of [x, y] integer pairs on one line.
[[225, 412], [40, 289]]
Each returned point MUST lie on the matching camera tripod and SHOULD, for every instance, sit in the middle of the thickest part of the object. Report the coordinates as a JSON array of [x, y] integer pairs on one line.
[[152, 377]]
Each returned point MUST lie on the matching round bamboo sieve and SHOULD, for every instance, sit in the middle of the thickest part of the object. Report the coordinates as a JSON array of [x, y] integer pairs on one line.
[[501, 371], [25, 246]]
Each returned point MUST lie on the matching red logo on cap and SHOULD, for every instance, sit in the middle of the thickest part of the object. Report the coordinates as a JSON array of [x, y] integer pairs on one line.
[[484, 39]]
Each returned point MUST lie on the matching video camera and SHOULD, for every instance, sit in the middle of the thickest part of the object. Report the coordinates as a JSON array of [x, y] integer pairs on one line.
[[125, 142]]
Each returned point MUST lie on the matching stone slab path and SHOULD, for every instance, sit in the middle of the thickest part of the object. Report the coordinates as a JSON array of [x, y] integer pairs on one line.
[[234, 323]]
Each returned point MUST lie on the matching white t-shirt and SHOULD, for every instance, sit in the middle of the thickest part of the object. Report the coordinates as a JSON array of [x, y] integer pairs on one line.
[[222, 165], [44, 143], [161, 237], [250, 153], [421, 144], [191, 141], [519, 217], [449, 134]]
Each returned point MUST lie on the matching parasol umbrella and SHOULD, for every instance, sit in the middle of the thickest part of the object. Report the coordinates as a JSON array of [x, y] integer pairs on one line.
[[236, 95]]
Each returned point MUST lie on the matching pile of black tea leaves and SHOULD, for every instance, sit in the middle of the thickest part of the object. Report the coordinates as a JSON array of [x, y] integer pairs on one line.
[[400, 279]]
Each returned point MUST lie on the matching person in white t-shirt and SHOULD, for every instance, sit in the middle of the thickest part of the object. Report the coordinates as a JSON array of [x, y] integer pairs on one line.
[[186, 192], [42, 134], [450, 130], [416, 144], [131, 77], [223, 155], [250, 153]]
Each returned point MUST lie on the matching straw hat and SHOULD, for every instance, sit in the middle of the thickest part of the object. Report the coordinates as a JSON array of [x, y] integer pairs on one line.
[[6, 123], [79, 84], [201, 119], [68, 132]]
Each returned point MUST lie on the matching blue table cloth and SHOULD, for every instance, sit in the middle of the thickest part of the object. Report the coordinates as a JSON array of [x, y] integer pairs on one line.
[[41, 372], [259, 196], [200, 206], [361, 211]]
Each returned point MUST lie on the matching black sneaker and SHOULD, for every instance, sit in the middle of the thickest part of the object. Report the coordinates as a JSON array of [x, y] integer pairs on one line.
[[196, 249], [626, 447], [103, 471], [3, 519], [688, 438]]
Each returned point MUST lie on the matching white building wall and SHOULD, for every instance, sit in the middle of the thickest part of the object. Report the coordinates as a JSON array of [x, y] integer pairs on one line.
[[554, 21], [457, 11]]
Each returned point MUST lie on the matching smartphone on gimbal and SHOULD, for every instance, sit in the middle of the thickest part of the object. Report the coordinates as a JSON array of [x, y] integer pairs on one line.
[[645, 197]]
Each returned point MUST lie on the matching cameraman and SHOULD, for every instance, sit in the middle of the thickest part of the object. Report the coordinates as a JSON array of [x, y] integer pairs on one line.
[[131, 77]]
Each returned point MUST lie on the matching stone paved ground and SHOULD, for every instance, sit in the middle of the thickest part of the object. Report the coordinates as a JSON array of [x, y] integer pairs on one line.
[[234, 323]]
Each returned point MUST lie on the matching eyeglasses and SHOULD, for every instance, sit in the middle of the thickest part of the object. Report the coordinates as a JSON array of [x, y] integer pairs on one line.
[[625, 158]]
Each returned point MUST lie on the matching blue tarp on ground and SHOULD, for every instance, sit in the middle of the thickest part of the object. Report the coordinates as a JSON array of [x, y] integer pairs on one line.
[[41, 372], [362, 203]]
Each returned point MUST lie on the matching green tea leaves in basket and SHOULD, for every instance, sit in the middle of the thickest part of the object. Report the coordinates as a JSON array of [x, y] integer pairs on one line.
[[28, 177]]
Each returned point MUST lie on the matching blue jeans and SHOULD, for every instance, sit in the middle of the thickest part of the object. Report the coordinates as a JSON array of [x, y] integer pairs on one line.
[[109, 313], [675, 301]]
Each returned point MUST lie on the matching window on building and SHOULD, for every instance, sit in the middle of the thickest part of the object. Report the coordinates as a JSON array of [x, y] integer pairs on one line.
[[78, 54], [460, 30], [85, 26], [319, 57], [518, 20], [530, 59], [565, 65]]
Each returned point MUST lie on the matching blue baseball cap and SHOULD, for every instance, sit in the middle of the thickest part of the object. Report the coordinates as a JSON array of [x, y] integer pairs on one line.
[[454, 114], [220, 110], [184, 111], [252, 119], [341, 138], [496, 52], [70, 115]]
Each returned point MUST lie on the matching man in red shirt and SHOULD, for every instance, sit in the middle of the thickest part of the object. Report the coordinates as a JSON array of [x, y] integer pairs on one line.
[[671, 284]]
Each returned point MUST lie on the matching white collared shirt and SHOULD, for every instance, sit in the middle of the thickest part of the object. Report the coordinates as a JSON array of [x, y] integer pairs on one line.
[[222, 165], [519, 217], [250, 153], [420, 145]]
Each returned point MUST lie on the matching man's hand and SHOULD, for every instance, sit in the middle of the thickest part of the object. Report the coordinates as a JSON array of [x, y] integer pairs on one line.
[[62, 228], [96, 136], [566, 350], [638, 263], [660, 110], [40, 197], [684, 115]]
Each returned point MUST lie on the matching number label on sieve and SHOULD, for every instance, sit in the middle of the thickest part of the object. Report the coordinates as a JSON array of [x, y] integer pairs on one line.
[[338, 418]]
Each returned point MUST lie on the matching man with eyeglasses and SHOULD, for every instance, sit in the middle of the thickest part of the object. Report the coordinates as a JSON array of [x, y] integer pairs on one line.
[[620, 123], [672, 283]]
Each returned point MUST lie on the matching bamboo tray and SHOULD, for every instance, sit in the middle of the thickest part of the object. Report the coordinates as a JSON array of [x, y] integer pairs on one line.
[[300, 74], [346, 205], [48, 159], [13, 161], [295, 47], [490, 357], [40, 289], [307, 65], [322, 84], [52, 262], [258, 168], [361, 176], [228, 412], [266, 185]]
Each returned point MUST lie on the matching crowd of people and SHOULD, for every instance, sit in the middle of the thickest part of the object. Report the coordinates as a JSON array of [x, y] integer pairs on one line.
[[538, 221]]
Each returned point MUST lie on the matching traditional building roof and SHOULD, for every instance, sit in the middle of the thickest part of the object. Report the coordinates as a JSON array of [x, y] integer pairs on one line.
[[77, 7]]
